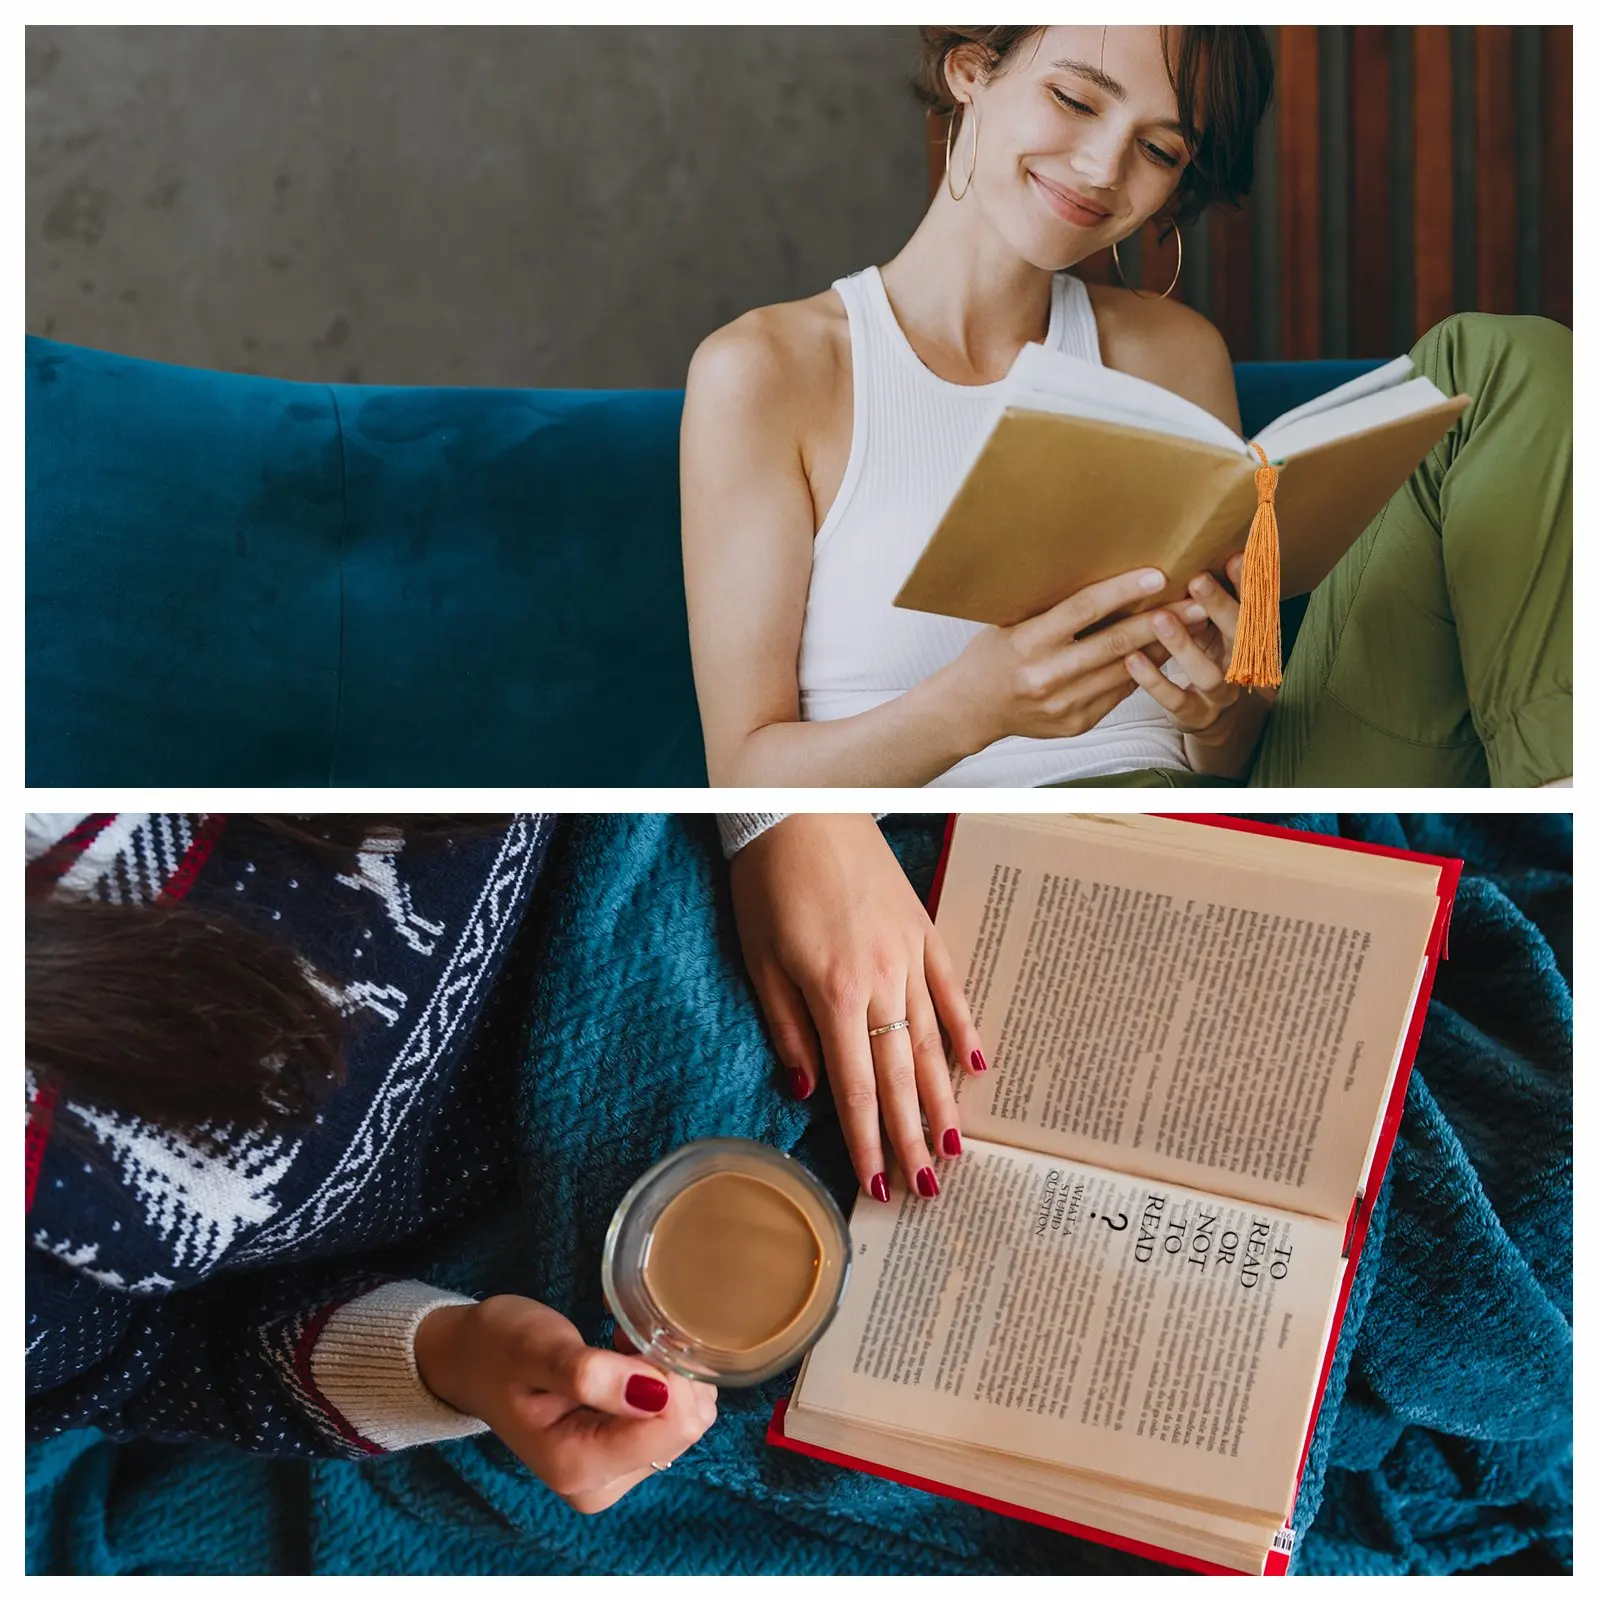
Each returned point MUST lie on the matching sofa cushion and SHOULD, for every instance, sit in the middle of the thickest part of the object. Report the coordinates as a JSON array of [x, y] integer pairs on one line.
[[183, 533], [513, 590], [241, 580]]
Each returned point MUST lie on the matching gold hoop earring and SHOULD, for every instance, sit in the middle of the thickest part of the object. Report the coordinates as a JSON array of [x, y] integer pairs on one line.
[[1145, 293], [949, 131]]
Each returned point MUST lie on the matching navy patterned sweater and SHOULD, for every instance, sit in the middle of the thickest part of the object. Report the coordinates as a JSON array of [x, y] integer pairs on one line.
[[176, 1294]]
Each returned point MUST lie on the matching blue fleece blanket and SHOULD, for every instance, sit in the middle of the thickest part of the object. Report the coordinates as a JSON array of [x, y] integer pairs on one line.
[[1444, 1441]]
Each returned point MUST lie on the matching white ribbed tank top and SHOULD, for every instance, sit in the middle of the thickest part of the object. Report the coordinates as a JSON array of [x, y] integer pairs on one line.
[[911, 434]]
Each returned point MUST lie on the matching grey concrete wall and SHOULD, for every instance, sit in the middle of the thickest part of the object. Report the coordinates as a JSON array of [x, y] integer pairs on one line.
[[566, 207]]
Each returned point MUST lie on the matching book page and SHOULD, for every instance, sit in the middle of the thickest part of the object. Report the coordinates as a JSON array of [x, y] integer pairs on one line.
[[1073, 1315], [1284, 439], [1296, 855], [1054, 382], [1228, 1538], [1188, 1019], [1388, 376], [1365, 1187]]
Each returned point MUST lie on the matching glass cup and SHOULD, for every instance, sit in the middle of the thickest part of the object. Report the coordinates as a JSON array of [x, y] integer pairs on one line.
[[725, 1262]]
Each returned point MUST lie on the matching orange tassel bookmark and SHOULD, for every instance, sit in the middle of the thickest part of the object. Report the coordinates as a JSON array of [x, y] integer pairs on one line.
[[1257, 644]]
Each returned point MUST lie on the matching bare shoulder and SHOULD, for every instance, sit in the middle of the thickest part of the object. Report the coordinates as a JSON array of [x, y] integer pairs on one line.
[[1168, 343], [785, 356]]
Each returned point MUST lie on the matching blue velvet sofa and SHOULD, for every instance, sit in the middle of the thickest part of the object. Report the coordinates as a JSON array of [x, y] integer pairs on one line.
[[242, 580]]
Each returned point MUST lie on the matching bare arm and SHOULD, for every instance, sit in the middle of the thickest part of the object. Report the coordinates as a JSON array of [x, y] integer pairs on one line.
[[748, 526], [1167, 343]]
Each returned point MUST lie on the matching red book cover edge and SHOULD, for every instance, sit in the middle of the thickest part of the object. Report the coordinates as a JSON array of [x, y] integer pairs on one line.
[[1361, 1211], [777, 1436]]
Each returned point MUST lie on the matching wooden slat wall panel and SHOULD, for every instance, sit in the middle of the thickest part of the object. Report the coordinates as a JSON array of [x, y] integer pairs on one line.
[[1555, 246], [1496, 153], [1371, 193], [1300, 191], [1233, 280], [1334, 159], [1528, 66], [1433, 193], [1098, 268], [1454, 193], [1158, 261]]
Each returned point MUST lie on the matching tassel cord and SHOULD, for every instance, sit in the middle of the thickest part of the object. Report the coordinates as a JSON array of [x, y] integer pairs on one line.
[[1257, 642]]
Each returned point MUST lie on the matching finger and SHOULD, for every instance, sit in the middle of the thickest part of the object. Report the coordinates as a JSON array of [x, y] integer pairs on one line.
[[794, 1039], [607, 1494], [1160, 688], [1218, 605], [951, 1003], [585, 1451], [1111, 644], [1234, 568], [932, 1070], [1155, 650], [603, 1380], [1203, 673], [898, 1105], [839, 1011], [1070, 617]]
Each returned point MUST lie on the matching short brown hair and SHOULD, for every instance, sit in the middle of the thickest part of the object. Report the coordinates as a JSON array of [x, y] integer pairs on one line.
[[1223, 73]]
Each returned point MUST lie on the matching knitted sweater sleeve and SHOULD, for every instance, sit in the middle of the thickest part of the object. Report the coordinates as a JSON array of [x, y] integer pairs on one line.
[[295, 1361], [737, 828]]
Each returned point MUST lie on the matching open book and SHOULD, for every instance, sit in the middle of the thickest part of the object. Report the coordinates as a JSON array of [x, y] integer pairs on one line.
[[1118, 1316], [1085, 473]]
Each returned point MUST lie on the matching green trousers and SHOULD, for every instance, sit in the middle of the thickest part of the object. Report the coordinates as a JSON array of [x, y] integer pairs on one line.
[[1439, 650]]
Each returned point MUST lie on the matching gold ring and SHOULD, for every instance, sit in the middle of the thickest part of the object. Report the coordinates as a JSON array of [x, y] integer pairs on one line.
[[888, 1027]]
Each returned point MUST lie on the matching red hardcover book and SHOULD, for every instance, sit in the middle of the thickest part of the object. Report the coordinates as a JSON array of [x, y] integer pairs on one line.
[[1232, 1015]]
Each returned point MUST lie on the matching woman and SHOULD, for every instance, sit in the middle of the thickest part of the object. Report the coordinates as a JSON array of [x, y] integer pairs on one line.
[[820, 439], [261, 1053], [266, 1054]]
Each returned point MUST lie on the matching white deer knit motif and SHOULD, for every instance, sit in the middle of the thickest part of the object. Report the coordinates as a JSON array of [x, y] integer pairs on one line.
[[376, 870], [197, 1201]]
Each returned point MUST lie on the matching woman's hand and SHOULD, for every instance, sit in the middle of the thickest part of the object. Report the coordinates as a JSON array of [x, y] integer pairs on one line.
[[1220, 721], [1042, 679], [837, 943], [588, 1422]]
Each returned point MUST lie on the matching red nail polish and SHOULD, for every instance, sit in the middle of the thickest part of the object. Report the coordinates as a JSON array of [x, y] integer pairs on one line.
[[880, 1188], [978, 1063], [952, 1142], [799, 1083], [927, 1184], [648, 1394]]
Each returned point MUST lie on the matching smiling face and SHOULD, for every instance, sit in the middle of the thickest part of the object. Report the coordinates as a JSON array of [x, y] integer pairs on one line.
[[1078, 140]]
